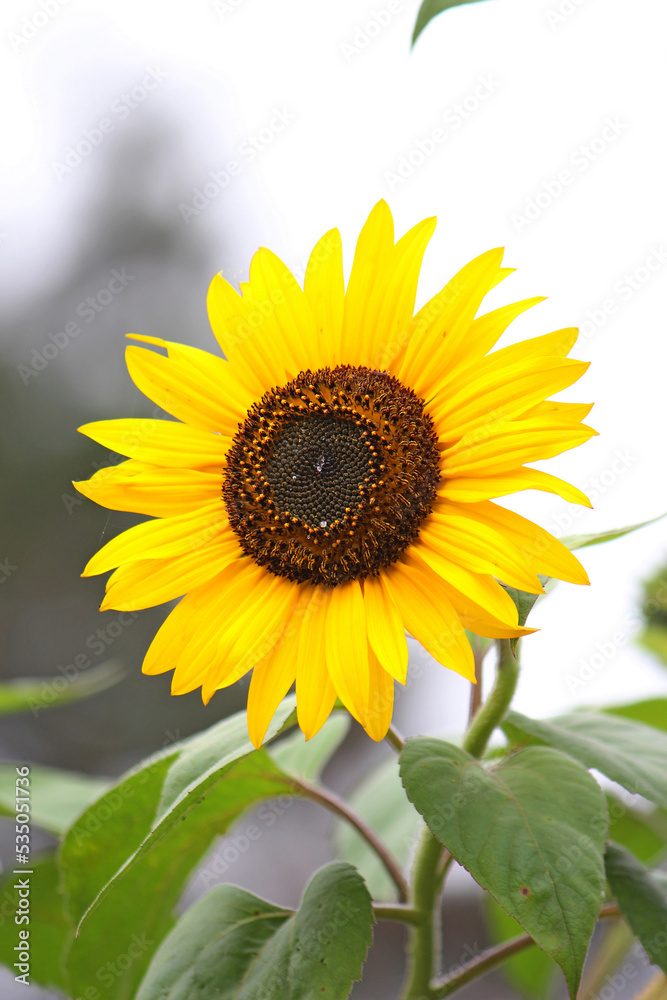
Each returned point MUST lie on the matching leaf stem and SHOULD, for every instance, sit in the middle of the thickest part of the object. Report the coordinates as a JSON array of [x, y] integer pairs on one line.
[[394, 737], [494, 709], [396, 911], [336, 805], [492, 957]]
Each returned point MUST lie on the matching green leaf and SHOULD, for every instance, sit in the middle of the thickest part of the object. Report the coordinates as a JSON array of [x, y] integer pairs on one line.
[[307, 759], [381, 800], [652, 712], [642, 901], [50, 929], [531, 971], [654, 639], [582, 541], [530, 831], [232, 945], [135, 838], [56, 797], [32, 694], [430, 9], [645, 834], [628, 752]]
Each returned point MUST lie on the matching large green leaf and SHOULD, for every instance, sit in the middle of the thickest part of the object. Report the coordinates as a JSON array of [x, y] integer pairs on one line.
[[531, 831], [232, 945], [135, 838], [651, 711], [56, 797], [628, 752], [49, 928], [645, 834], [583, 541], [531, 971], [32, 694], [381, 800], [642, 900], [430, 9]]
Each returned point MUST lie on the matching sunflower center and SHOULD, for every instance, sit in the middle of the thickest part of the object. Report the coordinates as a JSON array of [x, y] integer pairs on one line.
[[331, 476]]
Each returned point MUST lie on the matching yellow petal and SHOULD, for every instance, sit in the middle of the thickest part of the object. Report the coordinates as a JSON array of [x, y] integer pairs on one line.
[[477, 546], [473, 490], [440, 329], [480, 588], [544, 553], [381, 699], [430, 619], [315, 694], [347, 647], [227, 314], [570, 412], [160, 442], [148, 582], [483, 403], [324, 288], [513, 443], [479, 601], [162, 538], [386, 634], [145, 489], [190, 392], [372, 260], [274, 676]]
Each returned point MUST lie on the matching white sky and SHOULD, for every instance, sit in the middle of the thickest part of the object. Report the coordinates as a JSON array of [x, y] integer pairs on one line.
[[547, 85]]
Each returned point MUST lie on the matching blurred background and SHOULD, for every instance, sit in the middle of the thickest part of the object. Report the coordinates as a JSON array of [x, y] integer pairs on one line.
[[120, 123]]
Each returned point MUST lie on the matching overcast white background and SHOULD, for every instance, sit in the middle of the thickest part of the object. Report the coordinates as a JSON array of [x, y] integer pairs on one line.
[[355, 100]]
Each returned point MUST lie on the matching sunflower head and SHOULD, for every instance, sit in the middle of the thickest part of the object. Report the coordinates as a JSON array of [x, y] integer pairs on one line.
[[326, 485]]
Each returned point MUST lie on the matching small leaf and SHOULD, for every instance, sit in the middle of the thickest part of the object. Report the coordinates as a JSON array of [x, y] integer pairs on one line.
[[530, 831], [32, 694], [50, 929], [582, 541], [525, 602], [307, 759], [56, 797], [628, 752], [430, 9], [381, 800], [531, 971], [642, 901], [232, 945]]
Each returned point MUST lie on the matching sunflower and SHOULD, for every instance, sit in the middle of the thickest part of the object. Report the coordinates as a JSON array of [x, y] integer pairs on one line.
[[326, 486]]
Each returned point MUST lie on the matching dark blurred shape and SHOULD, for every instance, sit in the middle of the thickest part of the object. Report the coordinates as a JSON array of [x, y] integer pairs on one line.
[[138, 268]]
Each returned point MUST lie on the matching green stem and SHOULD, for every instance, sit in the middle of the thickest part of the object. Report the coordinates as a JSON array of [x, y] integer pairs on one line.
[[396, 911], [395, 739], [495, 956], [494, 709], [336, 805], [425, 895]]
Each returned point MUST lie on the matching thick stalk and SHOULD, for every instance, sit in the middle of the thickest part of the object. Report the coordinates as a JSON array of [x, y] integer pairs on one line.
[[394, 738], [425, 894], [494, 709]]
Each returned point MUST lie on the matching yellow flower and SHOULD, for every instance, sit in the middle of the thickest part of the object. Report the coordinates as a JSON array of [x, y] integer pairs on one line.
[[328, 486]]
